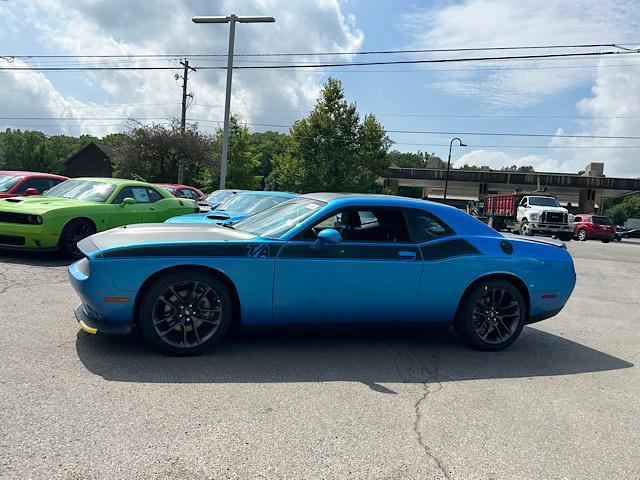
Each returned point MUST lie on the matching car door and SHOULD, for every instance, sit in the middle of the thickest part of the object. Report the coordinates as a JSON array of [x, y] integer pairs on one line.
[[371, 275], [127, 214], [522, 209]]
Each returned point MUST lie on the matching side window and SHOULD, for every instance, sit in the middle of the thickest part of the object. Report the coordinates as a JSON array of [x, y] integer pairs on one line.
[[188, 193], [577, 219], [423, 226], [365, 225], [182, 193], [154, 196], [40, 184], [126, 192], [523, 202]]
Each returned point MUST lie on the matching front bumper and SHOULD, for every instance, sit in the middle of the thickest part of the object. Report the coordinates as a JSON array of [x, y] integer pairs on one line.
[[551, 227], [94, 326], [26, 237]]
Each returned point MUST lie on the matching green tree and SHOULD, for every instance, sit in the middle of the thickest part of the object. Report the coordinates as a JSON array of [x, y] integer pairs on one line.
[[628, 207], [268, 145], [415, 160], [33, 150], [332, 150], [152, 153]]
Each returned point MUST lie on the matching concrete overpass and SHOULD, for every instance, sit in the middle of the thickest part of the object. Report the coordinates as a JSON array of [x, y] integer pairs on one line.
[[584, 192]]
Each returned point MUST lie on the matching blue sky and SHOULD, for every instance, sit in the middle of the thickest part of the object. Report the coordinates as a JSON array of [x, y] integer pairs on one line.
[[601, 94]]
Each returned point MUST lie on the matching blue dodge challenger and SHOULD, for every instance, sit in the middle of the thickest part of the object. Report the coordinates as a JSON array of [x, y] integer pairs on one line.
[[320, 258]]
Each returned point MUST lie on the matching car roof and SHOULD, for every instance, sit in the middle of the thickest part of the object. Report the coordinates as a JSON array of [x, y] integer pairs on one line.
[[175, 185], [31, 174], [267, 192], [114, 181]]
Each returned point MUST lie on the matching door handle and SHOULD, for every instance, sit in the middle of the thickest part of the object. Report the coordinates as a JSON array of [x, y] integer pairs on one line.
[[407, 255]]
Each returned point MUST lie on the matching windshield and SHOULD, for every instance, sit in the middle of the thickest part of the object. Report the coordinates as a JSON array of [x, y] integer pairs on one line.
[[544, 202], [83, 190], [218, 196], [601, 220], [8, 181], [250, 203], [276, 221]]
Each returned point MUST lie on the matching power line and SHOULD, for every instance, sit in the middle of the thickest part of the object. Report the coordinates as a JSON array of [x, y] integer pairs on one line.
[[335, 65], [308, 54]]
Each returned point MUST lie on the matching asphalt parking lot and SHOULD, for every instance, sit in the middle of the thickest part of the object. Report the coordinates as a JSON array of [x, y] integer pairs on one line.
[[562, 402]]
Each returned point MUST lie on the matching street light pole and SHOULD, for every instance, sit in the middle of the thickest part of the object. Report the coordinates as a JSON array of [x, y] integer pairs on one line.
[[446, 178], [231, 20]]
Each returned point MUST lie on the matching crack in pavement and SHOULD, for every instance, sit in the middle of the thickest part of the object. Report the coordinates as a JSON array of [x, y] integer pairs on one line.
[[426, 376]]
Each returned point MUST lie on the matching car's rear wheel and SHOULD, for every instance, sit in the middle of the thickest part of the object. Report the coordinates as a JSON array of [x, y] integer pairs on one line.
[[492, 316], [606, 240], [186, 312], [582, 234], [73, 232]]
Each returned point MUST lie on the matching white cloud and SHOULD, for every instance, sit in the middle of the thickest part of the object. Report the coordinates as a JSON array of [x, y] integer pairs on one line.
[[122, 26], [495, 23], [497, 160]]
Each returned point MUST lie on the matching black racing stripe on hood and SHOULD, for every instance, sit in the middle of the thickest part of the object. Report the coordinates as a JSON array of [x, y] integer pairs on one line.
[[249, 250]]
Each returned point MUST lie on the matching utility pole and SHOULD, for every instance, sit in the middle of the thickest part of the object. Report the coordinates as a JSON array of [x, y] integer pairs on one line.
[[231, 20], [183, 120]]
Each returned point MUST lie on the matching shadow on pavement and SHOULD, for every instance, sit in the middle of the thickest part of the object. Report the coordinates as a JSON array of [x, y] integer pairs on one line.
[[370, 358], [34, 259]]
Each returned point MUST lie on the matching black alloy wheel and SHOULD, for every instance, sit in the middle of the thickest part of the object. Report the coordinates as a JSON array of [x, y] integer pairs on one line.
[[186, 312], [74, 232], [492, 316]]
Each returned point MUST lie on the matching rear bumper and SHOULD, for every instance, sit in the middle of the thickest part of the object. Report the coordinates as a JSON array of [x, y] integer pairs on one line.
[[543, 316]]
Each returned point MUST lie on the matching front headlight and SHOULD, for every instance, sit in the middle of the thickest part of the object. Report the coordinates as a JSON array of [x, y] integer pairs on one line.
[[535, 217], [35, 219]]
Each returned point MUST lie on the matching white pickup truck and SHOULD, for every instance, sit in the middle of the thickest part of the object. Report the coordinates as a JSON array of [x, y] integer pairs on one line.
[[529, 214]]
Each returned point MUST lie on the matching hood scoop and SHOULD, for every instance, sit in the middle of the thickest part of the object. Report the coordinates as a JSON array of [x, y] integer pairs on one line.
[[14, 200]]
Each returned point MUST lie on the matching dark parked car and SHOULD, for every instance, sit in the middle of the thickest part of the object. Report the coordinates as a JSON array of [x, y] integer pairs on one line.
[[586, 226], [621, 233]]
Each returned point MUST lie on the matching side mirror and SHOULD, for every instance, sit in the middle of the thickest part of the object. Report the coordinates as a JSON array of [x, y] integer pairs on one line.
[[31, 191], [328, 236], [127, 201]]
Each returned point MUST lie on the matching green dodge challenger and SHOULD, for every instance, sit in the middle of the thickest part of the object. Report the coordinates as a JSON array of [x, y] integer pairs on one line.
[[77, 208]]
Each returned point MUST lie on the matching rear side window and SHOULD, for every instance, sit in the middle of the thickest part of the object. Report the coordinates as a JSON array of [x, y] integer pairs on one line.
[[424, 226], [601, 220]]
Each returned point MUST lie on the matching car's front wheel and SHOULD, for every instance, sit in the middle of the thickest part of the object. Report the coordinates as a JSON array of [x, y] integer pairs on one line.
[[492, 315], [582, 234], [525, 228], [73, 232], [186, 312]]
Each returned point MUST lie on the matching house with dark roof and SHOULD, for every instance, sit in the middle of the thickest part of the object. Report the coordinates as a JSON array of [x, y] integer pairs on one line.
[[92, 160]]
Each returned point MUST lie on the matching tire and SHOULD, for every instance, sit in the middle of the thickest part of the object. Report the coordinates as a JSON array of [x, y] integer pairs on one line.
[[566, 237], [618, 239], [173, 317], [605, 240], [72, 233], [582, 235], [525, 229], [487, 298]]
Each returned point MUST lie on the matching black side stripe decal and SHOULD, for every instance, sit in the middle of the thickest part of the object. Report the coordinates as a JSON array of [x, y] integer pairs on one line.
[[346, 251], [451, 248], [249, 250]]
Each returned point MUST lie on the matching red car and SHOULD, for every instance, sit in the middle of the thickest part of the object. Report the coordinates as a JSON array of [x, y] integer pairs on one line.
[[183, 191], [14, 183], [587, 226]]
